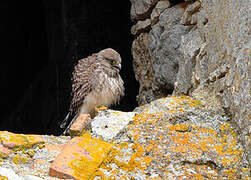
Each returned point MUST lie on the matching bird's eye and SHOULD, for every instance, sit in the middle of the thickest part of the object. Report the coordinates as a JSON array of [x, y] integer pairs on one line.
[[113, 61]]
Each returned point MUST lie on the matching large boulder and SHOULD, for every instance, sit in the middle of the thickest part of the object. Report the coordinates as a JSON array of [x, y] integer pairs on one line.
[[199, 48], [220, 69], [165, 40], [156, 53], [176, 137]]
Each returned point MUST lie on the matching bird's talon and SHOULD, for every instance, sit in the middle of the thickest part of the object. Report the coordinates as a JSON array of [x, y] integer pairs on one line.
[[101, 108]]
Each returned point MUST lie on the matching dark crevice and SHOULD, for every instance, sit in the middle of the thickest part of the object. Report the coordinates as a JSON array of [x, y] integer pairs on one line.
[[174, 2], [42, 41], [208, 163]]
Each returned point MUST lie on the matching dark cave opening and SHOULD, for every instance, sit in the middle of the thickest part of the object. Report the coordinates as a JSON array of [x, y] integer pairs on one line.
[[41, 42], [174, 2]]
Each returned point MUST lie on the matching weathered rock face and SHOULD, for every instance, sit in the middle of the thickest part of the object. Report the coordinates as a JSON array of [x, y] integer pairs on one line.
[[141, 8], [201, 48], [142, 65], [221, 63], [165, 39], [176, 137], [156, 54]]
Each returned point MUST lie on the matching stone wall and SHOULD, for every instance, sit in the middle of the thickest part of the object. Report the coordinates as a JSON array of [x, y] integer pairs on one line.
[[155, 50], [200, 48]]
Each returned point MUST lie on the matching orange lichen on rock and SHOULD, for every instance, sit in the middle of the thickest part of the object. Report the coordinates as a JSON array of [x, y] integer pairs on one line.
[[4, 152], [18, 141], [201, 140], [136, 160], [3, 177], [181, 102], [20, 159], [180, 127], [80, 125], [80, 158], [229, 153]]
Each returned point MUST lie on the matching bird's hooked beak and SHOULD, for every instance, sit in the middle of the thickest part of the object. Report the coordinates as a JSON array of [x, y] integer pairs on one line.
[[118, 66]]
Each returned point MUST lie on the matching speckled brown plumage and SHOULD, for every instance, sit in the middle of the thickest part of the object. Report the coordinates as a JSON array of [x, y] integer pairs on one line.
[[81, 81], [96, 82]]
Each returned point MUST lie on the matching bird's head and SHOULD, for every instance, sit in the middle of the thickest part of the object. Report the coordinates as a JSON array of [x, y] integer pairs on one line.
[[109, 58]]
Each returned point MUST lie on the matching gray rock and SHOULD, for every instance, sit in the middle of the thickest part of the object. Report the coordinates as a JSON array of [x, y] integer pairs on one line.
[[141, 26], [190, 46], [142, 65], [177, 138], [159, 8], [223, 66], [31, 177], [141, 9], [165, 41], [156, 55], [211, 62], [189, 16], [228, 44], [109, 123], [10, 174]]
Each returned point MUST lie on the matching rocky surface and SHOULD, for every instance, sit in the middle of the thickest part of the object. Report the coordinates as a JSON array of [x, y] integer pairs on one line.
[[108, 124], [142, 65], [202, 49], [28, 156], [175, 137], [165, 40], [141, 8], [221, 61], [156, 54]]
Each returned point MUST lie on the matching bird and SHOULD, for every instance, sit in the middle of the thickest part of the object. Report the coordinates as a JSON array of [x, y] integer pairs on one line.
[[96, 82]]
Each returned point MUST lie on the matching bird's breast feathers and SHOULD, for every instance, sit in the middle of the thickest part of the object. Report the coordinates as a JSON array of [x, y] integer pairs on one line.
[[106, 92]]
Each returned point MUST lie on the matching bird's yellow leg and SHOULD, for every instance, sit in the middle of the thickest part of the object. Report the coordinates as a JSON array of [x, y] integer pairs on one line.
[[101, 108]]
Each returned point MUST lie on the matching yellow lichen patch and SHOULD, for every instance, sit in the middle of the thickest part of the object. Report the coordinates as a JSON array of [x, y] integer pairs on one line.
[[154, 178], [196, 176], [182, 143], [246, 173], [30, 152], [13, 140], [144, 108], [136, 161], [149, 118], [34, 139], [3, 155], [180, 102], [41, 146], [180, 127], [19, 141], [224, 127], [231, 173], [197, 172], [95, 151], [229, 153], [156, 144], [18, 159], [3, 177], [199, 140], [116, 112]]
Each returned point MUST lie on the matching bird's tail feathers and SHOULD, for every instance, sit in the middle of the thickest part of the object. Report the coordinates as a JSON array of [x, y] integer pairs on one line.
[[64, 122], [68, 127]]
